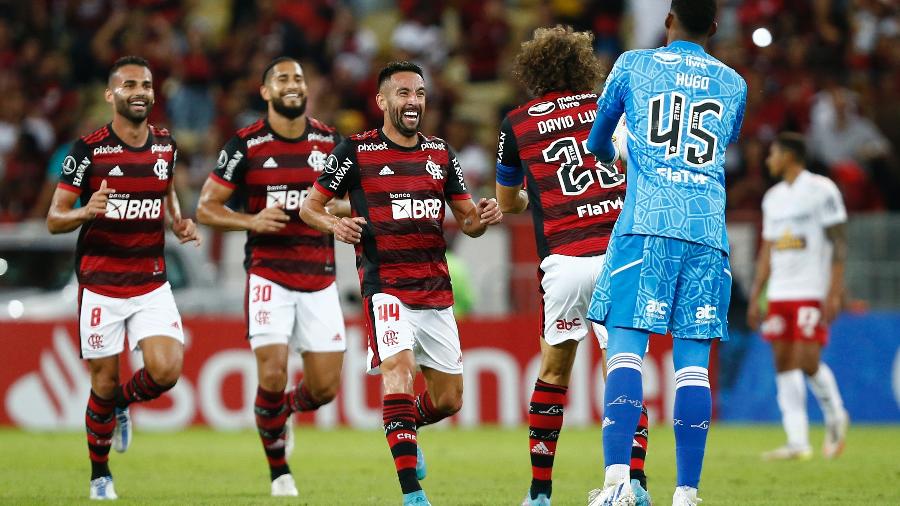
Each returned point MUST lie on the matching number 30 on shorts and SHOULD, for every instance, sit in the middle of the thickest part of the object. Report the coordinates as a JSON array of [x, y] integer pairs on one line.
[[261, 293]]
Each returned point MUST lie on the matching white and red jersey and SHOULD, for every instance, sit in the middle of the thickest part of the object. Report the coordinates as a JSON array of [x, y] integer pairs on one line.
[[120, 254], [574, 200], [268, 170], [795, 217]]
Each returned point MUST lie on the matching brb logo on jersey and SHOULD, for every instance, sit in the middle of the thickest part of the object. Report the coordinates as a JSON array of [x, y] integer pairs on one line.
[[280, 196], [122, 207], [404, 207]]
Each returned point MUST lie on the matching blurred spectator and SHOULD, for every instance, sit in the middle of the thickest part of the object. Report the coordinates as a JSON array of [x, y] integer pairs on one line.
[[487, 37], [207, 57]]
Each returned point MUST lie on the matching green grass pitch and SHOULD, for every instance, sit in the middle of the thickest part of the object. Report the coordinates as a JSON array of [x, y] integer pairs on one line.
[[466, 467]]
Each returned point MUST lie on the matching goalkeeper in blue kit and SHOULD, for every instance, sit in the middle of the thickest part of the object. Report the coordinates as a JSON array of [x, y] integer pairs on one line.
[[667, 265]]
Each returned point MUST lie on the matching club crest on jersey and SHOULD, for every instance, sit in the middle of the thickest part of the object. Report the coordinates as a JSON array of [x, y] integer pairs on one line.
[[316, 160], [541, 109], [434, 169], [160, 168]]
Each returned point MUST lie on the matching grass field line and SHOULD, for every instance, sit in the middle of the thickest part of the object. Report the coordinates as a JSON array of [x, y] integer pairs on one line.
[[487, 466]]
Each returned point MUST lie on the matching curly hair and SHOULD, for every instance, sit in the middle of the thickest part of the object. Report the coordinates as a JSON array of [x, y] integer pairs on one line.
[[558, 59]]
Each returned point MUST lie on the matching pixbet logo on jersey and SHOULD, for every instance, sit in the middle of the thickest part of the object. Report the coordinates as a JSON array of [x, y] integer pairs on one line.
[[280, 196], [404, 207], [121, 207]]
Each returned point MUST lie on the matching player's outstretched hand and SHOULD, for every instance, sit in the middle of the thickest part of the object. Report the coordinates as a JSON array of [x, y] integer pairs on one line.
[[96, 206], [348, 230], [831, 308], [489, 211], [753, 315], [269, 220], [186, 230]]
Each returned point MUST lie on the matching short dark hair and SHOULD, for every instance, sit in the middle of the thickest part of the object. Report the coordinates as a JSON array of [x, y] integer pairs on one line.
[[127, 60], [696, 16], [395, 67], [281, 59], [793, 142]]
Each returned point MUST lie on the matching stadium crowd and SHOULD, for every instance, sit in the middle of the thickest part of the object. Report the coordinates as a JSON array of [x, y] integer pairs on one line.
[[832, 71]]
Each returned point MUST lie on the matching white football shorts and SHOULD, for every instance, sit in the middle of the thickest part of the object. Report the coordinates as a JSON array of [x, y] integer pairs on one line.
[[305, 321], [431, 334], [105, 321], [567, 284]]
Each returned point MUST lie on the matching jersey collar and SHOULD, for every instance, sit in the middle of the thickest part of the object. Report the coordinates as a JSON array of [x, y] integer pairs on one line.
[[686, 46]]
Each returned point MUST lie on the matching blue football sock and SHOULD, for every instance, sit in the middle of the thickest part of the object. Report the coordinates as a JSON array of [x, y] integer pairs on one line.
[[622, 407], [693, 408]]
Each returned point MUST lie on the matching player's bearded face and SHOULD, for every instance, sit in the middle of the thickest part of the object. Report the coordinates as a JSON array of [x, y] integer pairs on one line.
[[135, 107], [131, 88], [290, 104], [406, 117]]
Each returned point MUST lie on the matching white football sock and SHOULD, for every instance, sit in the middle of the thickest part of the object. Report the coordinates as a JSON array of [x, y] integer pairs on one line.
[[792, 401], [615, 473], [824, 387]]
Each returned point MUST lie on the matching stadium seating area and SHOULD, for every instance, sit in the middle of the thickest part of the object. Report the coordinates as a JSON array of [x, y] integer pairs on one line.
[[833, 71]]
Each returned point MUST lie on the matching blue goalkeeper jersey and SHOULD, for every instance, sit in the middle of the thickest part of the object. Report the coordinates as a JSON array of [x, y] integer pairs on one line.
[[682, 108]]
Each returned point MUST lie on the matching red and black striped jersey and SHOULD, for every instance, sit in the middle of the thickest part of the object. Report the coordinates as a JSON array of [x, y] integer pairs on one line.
[[269, 170], [574, 200], [120, 254], [401, 193]]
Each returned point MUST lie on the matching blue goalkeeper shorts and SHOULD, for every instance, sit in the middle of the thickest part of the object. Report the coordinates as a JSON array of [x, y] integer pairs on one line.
[[661, 284]]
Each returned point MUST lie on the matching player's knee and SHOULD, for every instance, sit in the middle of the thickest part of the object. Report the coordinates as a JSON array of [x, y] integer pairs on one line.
[[449, 404], [323, 394], [272, 379], [166, 375], [105, 386]]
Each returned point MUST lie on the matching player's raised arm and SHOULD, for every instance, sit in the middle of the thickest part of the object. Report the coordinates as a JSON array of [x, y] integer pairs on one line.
[[315, 214], [473, 218], [763, 269], [62, 216], [510, 175], [212, 211], [184, 228]]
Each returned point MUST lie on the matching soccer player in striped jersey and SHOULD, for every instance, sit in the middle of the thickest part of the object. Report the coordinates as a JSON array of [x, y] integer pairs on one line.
[[123, 176], [801, 267], [574, 203], [292, 300], [667, 264], [398, 181]]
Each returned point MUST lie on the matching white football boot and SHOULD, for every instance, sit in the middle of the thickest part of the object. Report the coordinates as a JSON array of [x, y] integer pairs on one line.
[[685, 496], [284, 486], [835, 435], [102, 489], [618, 494]]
